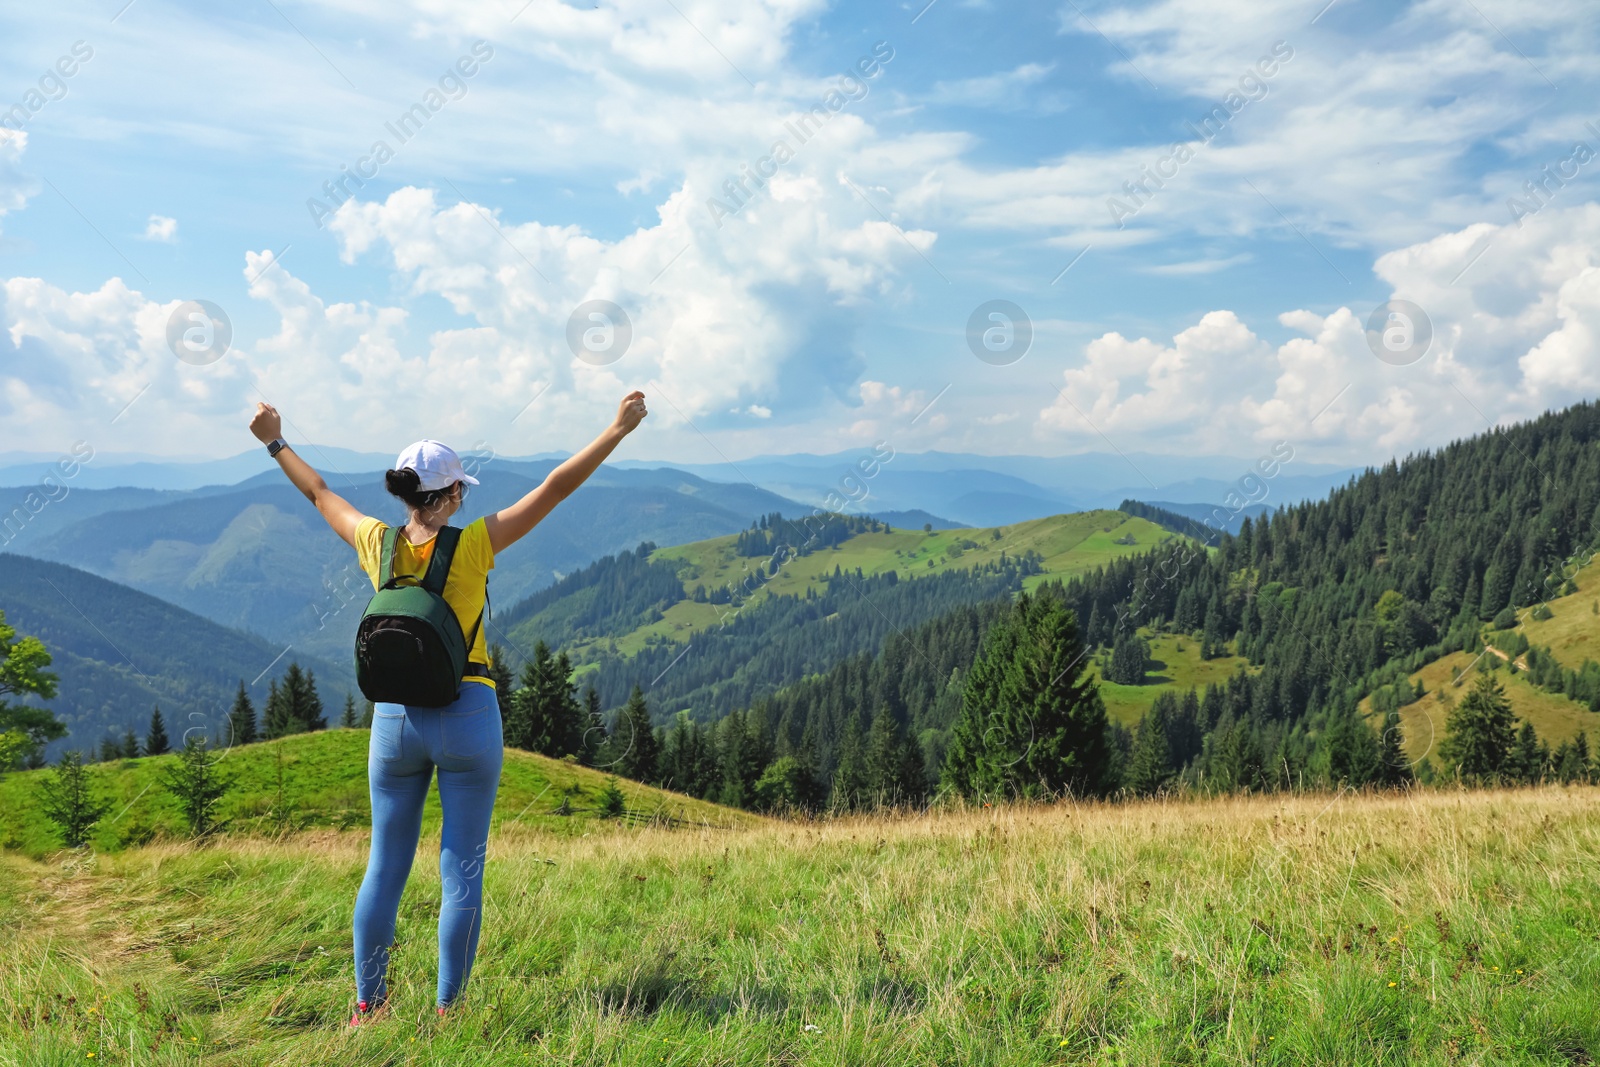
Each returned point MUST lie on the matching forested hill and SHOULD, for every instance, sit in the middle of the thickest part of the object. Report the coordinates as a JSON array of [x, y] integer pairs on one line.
[[1325, 602], [119, 652], [1459, 534]]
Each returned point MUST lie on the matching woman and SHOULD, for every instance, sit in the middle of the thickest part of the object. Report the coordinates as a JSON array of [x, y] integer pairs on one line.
[[462, 739]]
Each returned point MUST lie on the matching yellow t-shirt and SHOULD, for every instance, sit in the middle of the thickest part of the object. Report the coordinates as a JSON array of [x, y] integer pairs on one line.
[[466, 588]]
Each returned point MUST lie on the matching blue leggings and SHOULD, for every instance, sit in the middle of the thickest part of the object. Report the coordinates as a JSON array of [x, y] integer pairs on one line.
[[463, 740]]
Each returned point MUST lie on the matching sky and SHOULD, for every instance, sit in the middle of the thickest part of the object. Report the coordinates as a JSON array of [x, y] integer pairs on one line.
[[1182, 226]]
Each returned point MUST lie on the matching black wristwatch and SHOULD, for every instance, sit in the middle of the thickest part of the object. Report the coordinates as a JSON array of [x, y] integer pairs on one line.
[[275, 446]]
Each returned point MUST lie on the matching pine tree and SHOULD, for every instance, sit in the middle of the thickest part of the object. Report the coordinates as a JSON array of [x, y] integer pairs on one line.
[[349, 719], [1030, 722], [156, 742], [1212, 639], [1572, 760], [366, 716], [882, 759], [1349, 751], [276, 718], [306, 704], [242, 718], [1526, 763], [294, 706], [850, 778], [130, 745], [1129, 655], [1480, 731], [67, 799], [1393, 767], [594, 727], [197, 783], [1236, 760], [1150, 764], [637, 739], [499, 673]]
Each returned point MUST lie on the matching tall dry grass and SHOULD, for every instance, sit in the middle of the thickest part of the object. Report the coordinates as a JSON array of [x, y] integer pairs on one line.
[[1432, 927]]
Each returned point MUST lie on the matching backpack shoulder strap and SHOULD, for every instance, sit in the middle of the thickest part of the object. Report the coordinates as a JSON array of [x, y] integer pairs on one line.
[[391, 537], [444, 553]]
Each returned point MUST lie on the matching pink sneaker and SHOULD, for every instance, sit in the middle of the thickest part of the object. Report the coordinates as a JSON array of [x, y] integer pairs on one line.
[[366, 1013]]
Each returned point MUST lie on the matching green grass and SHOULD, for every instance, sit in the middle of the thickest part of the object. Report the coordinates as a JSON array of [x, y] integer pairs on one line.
[[1445, 681], [1572, 632], [1426, 929], [324, 777], [1176, 664]]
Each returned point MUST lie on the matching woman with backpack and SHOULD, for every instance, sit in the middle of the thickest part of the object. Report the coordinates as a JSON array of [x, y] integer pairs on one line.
[[461, 738]]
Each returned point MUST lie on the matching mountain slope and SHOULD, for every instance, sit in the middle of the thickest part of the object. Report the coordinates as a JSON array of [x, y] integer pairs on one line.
[[258, 557], [119, 652]]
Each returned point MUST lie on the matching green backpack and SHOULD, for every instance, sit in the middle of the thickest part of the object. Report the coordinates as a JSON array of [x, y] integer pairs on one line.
[[409, 647]]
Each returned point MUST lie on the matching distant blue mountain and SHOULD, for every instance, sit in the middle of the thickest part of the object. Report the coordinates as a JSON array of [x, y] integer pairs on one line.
[[257, 557], [120, 652]]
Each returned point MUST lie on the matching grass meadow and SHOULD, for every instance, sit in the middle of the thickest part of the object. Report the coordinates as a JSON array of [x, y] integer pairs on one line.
[[1435, 927]]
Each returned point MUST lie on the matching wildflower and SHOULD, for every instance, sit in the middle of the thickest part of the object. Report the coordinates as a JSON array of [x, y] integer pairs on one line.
[[1391, 985]]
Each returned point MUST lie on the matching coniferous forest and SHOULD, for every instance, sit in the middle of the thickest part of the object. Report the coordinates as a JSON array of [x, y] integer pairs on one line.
[[1328, 602]]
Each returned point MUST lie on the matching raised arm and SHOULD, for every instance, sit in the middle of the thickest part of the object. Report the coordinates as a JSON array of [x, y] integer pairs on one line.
[[340, 514], [509, 524]]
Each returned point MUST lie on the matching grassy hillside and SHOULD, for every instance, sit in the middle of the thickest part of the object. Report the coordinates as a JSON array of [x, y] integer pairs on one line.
[[1447, 680], [324, 783], [1429, 929], [1069, 544], [1572, 633]]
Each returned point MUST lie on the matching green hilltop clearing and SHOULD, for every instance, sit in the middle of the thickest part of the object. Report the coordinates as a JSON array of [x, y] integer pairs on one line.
[[323, 778], [1067, 544]]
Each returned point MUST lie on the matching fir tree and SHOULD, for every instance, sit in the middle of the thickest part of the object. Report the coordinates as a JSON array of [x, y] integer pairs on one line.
[[276, 719], [1572, 760], [1393, 767], [1526, 763], [130, 745], [293, 707], [1029, 721], [242, 718], [349, 719], [637, 739], [1129, 655], [67, 799], [594, 727], [1150, 763], [1350, 752], [198, 784], [156, 742], [850, 780], [1480, 731], [499, 673]]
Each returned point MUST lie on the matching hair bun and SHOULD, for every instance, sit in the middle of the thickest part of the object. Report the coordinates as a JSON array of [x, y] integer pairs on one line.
[[403, 482]]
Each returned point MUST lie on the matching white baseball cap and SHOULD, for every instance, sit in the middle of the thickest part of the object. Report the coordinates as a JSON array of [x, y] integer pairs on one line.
[[436, 464]]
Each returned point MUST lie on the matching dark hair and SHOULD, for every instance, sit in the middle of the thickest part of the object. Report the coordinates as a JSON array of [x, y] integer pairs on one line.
[[405, 484]]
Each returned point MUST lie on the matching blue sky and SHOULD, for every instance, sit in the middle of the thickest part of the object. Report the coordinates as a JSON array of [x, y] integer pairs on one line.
[[1362, 152]]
